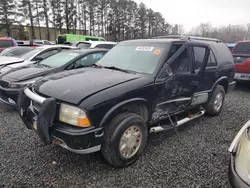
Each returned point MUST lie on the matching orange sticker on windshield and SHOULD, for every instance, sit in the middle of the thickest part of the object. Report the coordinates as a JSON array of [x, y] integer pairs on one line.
[[157, 52]]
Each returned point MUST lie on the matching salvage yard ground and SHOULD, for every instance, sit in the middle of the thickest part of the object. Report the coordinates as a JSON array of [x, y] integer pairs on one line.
[[199, 159]]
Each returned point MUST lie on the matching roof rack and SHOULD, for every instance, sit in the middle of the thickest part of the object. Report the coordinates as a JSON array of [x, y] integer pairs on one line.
[[182, 37]]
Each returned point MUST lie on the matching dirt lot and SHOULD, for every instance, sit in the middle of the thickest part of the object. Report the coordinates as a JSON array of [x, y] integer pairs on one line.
[[200, 159]]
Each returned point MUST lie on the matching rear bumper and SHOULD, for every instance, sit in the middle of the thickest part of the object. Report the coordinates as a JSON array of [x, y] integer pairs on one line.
[[9, 96], [43, 122], [234, 178], [242, 76]]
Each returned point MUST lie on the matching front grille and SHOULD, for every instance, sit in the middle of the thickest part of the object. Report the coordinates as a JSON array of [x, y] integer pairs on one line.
[[4, 83]]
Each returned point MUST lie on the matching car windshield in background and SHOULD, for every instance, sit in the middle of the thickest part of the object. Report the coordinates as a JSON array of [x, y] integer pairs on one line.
[[30, 54], [136, 58], [243, 47], [5, 43], [83, 45], [15, 51], [59, 59]]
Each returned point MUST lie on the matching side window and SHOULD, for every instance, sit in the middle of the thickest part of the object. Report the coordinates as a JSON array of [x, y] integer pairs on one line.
[[211, 60], [106, 46], [48, 53], [173, 49], [181, 65], [47, 42], [199, 55], [88, 60]]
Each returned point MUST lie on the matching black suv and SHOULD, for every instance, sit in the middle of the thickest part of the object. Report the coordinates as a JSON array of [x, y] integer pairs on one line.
[[138, 87]]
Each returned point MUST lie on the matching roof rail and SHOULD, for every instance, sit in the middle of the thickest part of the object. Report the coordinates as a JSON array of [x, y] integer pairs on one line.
[[183, 37]]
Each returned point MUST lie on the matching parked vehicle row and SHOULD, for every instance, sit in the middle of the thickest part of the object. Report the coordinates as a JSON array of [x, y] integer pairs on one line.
[[111, 105], [89, 100]]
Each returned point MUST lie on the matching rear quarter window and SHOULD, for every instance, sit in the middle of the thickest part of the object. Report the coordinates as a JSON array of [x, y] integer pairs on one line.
[[222, 53]]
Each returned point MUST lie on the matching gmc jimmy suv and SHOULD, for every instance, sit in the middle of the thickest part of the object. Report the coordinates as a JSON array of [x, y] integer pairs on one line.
[[138, 87]]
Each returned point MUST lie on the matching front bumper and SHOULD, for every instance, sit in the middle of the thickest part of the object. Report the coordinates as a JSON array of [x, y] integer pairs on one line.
[[242, 76], [234, 178], [43, 121], [9, 96]]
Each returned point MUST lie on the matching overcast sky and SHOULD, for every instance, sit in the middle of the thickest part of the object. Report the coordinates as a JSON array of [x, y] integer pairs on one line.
[[192, 12]]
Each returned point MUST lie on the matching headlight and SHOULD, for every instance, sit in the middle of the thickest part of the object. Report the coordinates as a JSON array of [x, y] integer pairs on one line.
[[242, 159], [73, 116]]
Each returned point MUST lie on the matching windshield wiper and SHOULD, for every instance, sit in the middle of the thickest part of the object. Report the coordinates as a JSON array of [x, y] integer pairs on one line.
[[116, 68]]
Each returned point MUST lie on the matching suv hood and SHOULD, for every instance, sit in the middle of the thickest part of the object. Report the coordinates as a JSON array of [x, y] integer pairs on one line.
[[25, 73], [5, 60], [76, 85]]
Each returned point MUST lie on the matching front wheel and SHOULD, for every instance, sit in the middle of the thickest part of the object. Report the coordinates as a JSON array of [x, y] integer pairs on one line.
[[124, 139], [215, 104]]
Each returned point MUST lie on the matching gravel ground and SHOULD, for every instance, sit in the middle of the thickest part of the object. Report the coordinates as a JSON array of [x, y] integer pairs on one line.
[[200, 159]]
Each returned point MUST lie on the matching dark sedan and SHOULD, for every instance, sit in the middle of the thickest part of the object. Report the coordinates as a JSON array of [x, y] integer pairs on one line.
[[12, 81]]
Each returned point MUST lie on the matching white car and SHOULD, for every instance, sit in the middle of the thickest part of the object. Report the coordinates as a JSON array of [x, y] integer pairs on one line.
[[37, 54], [94, 44]]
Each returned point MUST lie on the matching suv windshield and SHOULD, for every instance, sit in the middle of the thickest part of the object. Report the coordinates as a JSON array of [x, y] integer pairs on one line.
[[133, 57], [59, 59], [243, 47], [30, 54]]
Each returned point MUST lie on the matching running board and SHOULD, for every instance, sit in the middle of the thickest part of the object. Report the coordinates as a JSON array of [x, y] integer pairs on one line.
[[178, 123]]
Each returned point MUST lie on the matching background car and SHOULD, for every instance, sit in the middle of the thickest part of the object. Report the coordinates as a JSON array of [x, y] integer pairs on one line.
[[15, 51], [12, 81], [6, 43], [93, 44], [37, 54], [241, 54]]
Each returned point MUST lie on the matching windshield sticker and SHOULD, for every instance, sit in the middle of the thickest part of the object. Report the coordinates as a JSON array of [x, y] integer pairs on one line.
[[144, 48], [157, 52]]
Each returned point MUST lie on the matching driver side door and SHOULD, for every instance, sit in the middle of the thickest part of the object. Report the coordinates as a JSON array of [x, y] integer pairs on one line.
[[183, 80]]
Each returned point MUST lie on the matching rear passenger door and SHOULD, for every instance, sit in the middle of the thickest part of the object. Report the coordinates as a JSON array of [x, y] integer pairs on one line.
[[211, 73]]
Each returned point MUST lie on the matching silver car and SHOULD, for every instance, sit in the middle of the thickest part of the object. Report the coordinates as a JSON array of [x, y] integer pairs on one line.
[[33, 56]]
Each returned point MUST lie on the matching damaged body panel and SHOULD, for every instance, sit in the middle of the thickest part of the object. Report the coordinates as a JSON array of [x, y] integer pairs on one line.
[[165, 82]]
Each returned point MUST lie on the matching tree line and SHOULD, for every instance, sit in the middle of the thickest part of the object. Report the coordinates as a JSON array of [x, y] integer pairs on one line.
[[114, 19], [230, 33]]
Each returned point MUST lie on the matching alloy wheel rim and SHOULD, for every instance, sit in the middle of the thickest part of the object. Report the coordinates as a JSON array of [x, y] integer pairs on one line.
[[218, 101], [130, 142]]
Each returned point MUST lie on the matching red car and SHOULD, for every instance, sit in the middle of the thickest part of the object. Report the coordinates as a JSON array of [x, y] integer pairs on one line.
[[241, 54], [6, 42]]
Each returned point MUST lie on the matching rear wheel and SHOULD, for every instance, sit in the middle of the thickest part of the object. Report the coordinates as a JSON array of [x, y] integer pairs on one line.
[[124, 140], [215, 104]]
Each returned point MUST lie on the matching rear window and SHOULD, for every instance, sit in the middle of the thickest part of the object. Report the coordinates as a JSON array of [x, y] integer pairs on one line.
[[106, 46], [243, 47], [15, 52], [84, 45], [91, 39], [5, 43]]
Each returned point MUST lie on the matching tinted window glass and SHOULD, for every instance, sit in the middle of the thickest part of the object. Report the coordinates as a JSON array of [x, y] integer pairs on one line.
[[15, 52], [106, 46], [59, 59], [182, 63], [48, 53], [5, 43], [211, 61], [199, 55], [88, 60], [142, 59], [61, 39], [91, 39], [84, 45], [173, 49], [47, 42], [30, 54], [243, 47]]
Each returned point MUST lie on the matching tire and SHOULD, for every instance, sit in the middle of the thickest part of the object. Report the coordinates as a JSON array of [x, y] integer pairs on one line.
[[113, 135], [212, 108]]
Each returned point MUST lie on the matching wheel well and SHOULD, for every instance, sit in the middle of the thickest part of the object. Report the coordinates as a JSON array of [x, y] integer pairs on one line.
[[140, 108], [224, 83]]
